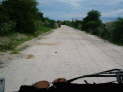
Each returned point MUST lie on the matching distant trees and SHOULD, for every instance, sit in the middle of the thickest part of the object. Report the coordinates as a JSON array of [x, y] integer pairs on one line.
[[67, 22], [74, 23], [112, 31], [49, 22]]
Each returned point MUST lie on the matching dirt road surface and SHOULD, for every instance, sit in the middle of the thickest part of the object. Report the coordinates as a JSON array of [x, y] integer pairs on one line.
[[66, 52]]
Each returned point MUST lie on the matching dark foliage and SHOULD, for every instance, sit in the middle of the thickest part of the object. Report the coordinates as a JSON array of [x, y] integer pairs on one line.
[[117, 32], [22, 16], [92, 22]]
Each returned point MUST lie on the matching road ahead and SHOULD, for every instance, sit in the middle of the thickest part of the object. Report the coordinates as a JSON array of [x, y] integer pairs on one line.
[[65, 52]]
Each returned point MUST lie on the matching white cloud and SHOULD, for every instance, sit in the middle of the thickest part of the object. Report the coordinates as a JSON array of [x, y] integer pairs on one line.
[[75, 3], [115, 13], [73, 15], [78, 3], [106, 2]]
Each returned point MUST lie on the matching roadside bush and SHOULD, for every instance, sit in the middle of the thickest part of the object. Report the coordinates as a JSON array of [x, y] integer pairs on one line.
[[7, 28], [117, 33], [103, 32], [7, 45]]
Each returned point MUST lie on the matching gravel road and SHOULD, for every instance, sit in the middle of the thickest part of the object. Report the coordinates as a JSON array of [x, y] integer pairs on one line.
[[66, 52]]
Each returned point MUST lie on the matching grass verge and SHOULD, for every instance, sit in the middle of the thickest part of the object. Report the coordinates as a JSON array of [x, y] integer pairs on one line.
[[9, 43]]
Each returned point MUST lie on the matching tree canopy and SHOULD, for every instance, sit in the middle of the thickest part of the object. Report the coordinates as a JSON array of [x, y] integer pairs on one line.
[[92, 21], [21, 16]]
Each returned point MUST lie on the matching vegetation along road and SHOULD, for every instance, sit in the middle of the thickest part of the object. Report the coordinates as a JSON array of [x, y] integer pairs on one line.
[[65, 52]]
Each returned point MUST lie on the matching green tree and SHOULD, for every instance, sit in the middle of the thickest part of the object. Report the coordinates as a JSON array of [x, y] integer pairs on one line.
[[41, 16], [3, 14], [7, 26], [92, 22], [24, 13]]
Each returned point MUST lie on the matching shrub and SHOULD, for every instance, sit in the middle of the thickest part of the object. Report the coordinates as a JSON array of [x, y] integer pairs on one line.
[[7, 28], [7, 45], [117, 33]]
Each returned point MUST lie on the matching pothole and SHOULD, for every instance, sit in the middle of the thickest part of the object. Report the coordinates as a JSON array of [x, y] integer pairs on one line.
[[56, 52], [30, 56]]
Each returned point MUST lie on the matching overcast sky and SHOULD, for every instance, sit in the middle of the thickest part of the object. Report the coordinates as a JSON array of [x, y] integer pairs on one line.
[[77, 9]]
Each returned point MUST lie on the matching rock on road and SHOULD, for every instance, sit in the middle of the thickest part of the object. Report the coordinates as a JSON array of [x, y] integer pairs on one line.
[[66, 52]]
